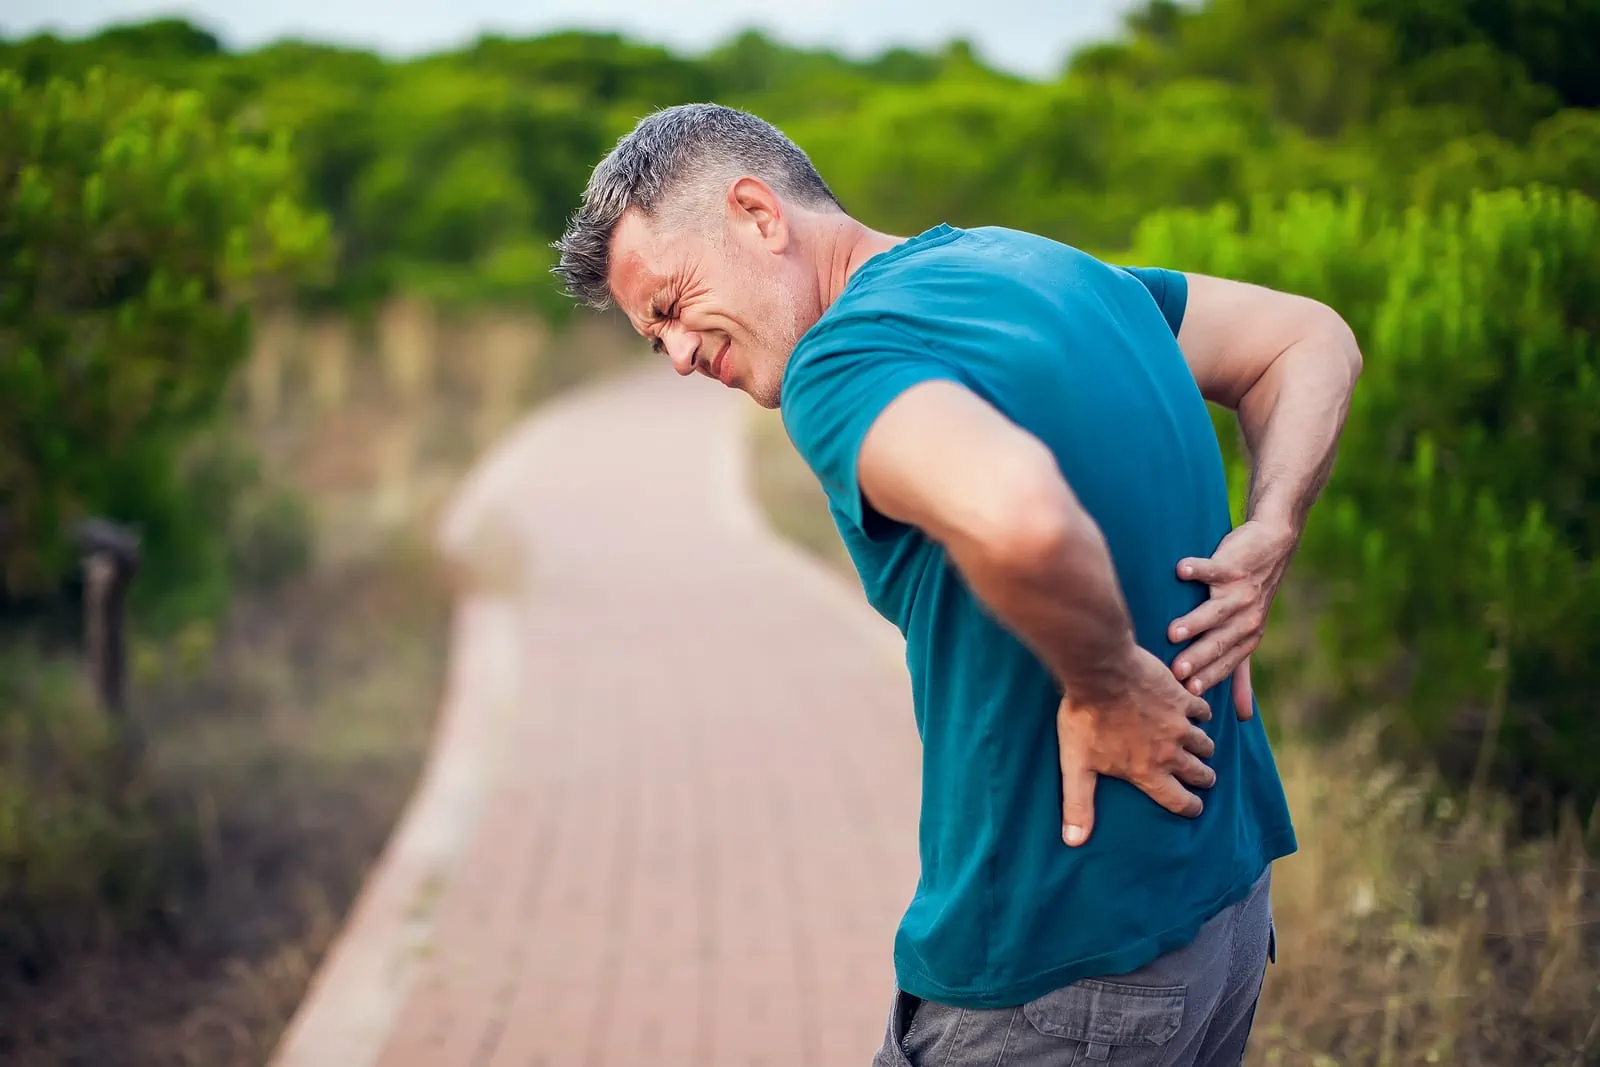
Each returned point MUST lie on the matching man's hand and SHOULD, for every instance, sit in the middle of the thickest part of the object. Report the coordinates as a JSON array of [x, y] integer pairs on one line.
[[1243, 573], [1142, 733]]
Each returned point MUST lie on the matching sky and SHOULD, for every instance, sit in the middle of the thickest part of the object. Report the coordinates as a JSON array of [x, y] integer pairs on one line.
[[1030, 37]]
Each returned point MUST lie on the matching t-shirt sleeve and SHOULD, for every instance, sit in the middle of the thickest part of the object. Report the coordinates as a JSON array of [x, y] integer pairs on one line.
[[1169, 288], [836, 386]]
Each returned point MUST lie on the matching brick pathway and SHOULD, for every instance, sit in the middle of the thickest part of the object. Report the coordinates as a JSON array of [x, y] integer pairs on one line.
[[686, 832]]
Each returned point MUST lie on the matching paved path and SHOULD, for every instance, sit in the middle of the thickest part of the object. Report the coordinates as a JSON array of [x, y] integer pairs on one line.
[[670, 818]]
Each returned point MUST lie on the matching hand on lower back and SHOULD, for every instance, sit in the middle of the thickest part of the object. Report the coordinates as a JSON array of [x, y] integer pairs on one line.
[[1143, 732], [1243, 575]]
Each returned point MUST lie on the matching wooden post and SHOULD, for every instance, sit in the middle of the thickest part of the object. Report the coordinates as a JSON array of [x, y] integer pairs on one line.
[[110, 560]]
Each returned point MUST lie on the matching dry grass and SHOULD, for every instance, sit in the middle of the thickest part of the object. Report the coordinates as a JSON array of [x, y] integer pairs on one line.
[[789, 494], [281, 759], [284, 744], [1410, 931], [1413, 932]]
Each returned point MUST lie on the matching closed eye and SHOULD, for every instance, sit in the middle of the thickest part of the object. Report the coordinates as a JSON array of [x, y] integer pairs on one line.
[[657, 315]]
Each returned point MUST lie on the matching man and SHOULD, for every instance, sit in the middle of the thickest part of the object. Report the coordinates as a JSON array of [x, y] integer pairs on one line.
[[1017, 453]]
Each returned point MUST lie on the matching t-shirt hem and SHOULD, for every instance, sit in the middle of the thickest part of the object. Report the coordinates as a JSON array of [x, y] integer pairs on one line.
[[1119, 961]]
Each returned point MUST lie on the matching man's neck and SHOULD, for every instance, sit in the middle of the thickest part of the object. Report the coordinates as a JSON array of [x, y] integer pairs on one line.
[[845, 246]]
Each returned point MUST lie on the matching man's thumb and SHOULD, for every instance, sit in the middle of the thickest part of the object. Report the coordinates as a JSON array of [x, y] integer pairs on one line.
[[1077, 800]]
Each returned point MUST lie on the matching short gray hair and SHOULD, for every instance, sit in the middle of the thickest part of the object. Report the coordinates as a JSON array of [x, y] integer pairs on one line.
[[657, 159]]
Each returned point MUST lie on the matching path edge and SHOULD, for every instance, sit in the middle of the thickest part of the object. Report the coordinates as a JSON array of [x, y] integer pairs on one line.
[[365, 976]]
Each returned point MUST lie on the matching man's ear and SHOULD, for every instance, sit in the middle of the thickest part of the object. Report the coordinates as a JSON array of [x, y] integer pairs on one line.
[[752, 203]]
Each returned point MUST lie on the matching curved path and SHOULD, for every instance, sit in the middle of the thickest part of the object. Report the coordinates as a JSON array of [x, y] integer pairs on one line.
[[670, 815]]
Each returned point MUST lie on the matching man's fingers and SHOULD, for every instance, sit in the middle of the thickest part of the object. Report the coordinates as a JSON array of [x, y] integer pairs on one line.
[[1243, 695], [1202, 569], [1206, 651], [1190, 771], [1170, 794], [1199, 620], [1199, 742], [1222, 666]]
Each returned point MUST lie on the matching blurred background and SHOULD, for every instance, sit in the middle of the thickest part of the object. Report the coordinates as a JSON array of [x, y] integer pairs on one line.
[[271, 278]]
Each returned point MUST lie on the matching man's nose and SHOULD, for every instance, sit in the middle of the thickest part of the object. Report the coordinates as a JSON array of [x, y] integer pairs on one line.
[[682, 346]]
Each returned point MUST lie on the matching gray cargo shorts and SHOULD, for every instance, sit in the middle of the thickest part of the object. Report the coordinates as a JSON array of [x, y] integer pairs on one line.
[[1192, 1007]]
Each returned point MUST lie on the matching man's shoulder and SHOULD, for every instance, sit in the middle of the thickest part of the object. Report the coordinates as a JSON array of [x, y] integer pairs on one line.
[[998, 248], [913, 294], [890, 313], [998, 259], [1073, 272]]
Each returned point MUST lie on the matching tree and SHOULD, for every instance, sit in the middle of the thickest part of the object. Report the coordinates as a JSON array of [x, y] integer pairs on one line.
[[133, 232]]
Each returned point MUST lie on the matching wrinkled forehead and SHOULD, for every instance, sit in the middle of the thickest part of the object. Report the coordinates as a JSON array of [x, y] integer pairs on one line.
[[640, 264], [647, 260]]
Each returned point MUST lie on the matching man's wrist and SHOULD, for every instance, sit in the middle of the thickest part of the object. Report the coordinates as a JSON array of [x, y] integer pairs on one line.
[[1277, 518], [1106, 677]]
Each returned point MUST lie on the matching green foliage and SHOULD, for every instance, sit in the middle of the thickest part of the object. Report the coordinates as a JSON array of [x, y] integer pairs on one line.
[[1555, 42], [1059, 159], [467, 170], [1454, 548], [784, 84], [1563, 151], [133, 229], [1330, 66]]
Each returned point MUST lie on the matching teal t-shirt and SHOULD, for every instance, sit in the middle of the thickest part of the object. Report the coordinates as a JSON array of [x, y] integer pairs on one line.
[[1083, 355]]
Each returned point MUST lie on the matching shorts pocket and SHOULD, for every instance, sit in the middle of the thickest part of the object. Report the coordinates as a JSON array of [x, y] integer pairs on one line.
[[1102, 1016]]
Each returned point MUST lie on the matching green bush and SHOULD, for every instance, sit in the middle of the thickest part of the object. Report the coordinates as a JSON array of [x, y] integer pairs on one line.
[[133, 232], [1453, 552]]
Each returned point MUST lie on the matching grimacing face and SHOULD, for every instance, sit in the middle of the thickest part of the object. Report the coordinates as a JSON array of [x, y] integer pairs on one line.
[[729, 299]]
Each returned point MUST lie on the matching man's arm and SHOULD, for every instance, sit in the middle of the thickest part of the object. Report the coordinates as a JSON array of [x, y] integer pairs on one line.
[[1288, 366], [941, 459]]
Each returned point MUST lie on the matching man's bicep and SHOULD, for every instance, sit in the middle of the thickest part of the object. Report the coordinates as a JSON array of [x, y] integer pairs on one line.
[[1233, 331], [942, 459]]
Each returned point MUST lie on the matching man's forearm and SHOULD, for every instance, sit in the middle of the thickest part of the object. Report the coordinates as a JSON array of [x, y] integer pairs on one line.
[[1058, 592], [1292, 418]]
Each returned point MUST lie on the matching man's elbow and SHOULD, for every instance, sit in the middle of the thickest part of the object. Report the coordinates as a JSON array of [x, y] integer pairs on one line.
[[1314, 344], [1343, 339]]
